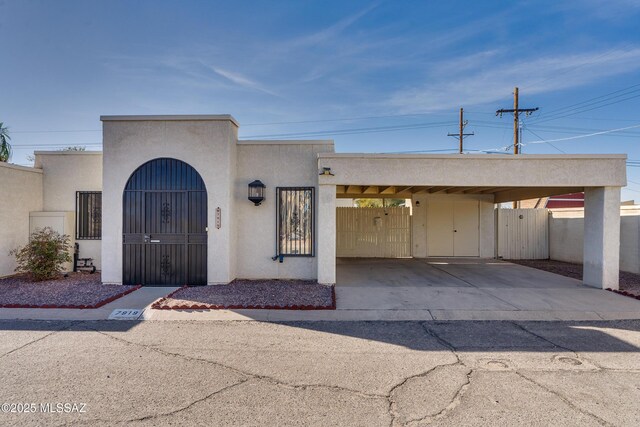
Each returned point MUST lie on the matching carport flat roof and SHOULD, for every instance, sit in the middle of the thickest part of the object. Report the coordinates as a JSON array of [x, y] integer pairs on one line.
[[502, 194], [507, 177]]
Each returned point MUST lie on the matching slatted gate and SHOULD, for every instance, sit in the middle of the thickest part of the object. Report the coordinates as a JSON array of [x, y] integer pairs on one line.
[[523, 233], [373, 232], [165, 225]]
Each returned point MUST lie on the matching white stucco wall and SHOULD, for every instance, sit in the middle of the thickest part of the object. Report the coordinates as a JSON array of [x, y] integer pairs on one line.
[[566, 236], [207, 143], [20, 193], [65, 173], [276, 164], [486, 222]]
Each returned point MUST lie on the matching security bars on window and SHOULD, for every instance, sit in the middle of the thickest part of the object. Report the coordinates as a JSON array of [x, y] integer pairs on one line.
[[88, 215], [295, 225]]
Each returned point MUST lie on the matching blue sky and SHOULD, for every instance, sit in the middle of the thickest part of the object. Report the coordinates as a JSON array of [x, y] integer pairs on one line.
[[381, 76]]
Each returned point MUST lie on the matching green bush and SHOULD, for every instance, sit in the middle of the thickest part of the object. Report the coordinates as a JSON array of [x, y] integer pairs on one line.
[[43, 257]]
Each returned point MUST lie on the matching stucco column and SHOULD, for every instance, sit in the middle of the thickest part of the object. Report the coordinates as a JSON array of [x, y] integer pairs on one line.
[[326, 234], [601, 254]]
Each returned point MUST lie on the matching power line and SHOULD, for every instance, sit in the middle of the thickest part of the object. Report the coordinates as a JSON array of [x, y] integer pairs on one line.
[[583, 136], [590, 100], [538, 136], [352, 131]]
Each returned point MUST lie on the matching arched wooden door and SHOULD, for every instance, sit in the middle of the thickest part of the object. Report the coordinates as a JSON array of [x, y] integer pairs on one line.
[[165, 225]]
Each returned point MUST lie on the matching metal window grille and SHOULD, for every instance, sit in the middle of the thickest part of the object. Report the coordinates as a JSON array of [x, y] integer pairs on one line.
[[88, 215], [295, 221]]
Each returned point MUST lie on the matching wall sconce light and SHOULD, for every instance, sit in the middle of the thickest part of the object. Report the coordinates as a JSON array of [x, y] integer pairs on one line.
[[256, 192], [326, 172]]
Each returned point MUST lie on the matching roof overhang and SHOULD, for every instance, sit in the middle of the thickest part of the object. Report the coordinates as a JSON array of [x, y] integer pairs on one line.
[[171, 118], [507, 177]]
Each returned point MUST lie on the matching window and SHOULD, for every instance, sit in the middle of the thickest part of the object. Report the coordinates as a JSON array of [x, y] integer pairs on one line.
[[88, 215], [295, 221]]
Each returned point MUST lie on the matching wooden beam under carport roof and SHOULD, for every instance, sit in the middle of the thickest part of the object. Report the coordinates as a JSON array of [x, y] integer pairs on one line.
[[493, 190], [457, 190], [391, 189], [354, 189], [435, 190], [523, 193], [476, 190], [371, 189], [404, 189], [421, 189]]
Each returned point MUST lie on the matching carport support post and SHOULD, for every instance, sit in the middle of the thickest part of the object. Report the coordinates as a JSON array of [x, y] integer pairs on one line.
[[601, 253], [326, 234]]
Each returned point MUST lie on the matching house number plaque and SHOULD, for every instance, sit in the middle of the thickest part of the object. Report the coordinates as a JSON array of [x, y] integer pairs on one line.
[[218, 218]]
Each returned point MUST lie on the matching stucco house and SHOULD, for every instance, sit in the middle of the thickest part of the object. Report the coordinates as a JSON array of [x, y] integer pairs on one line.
[[167, 203]]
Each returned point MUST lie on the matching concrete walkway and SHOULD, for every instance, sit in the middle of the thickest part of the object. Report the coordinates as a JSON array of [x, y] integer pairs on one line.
[[407, 289]]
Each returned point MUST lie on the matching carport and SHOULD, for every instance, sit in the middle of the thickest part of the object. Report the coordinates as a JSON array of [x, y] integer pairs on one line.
[[454, 196]]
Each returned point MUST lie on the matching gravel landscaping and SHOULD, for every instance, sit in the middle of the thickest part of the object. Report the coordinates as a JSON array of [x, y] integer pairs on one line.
[[252, 294], [629, 282], [77, 290]]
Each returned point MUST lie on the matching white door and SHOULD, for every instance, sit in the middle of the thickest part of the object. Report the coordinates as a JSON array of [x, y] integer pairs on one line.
[[440, 228], [465, 228], [453, 228]]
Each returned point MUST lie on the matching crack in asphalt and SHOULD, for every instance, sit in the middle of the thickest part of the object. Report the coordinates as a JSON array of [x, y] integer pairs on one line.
[[564, 399], [561, 347], [41, 338], [392, 402], [455, 402], [189, 406], [265, 378]]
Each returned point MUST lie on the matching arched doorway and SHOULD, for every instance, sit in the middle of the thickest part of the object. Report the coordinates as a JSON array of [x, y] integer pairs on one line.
[[165, 225]]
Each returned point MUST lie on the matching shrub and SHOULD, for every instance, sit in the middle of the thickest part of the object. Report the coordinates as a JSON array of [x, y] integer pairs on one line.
[[43, 257]]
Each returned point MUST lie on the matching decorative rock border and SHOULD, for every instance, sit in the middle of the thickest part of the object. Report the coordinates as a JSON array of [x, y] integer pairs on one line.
[[80, 307], [625, 293], [161, 304]]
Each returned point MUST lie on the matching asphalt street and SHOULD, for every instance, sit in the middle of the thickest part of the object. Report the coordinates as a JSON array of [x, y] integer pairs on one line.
[[319, 373]]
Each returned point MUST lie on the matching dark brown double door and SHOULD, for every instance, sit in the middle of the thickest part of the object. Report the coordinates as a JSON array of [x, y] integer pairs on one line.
[[165, 226]]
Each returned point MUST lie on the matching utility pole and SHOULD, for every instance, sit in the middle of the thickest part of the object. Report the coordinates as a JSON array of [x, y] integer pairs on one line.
[[461, 133], [516, 123]]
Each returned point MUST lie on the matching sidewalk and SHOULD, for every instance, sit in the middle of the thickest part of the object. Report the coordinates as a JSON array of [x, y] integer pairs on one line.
[[439, 303]]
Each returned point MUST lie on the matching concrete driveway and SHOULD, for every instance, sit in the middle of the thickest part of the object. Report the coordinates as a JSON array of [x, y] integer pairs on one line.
[[471, 288], [322, 373]]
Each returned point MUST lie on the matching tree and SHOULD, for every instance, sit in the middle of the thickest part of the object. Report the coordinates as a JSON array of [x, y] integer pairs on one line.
[[5, 147], [379, 203]]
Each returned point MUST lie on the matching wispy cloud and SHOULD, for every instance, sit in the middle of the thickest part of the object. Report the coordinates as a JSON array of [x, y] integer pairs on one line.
[[241, 80], [491, 80], [333, 30]]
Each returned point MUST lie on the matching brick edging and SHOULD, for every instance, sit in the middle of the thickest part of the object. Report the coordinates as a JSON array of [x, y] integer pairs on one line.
[[625, 293]]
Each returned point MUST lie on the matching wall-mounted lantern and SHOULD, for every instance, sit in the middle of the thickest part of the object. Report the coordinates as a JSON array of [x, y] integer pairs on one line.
[[256, 192]]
